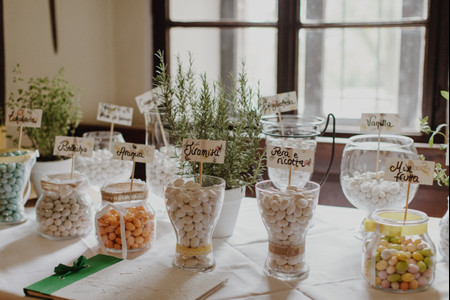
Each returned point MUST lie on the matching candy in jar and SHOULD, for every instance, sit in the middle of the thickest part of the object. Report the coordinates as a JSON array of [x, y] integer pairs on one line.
[[15, 168], [125, 221], [287, 215], [193, 210], [64, 209], [398, 256]]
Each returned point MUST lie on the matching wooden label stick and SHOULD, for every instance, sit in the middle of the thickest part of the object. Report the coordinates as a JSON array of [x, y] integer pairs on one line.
[[111, 133]]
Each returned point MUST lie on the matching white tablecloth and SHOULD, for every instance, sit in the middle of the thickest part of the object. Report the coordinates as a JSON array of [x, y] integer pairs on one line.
[[332, 252]]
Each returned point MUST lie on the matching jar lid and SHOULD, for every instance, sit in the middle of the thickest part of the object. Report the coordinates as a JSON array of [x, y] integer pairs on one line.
[[57, 182], [390, 222], [120, 192]]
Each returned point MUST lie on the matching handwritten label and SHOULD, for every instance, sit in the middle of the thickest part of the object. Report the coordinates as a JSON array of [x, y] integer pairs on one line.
[[380, 122], [134, 152], [203, 151], [149, 101], [116, 114], [414, 171], [23, 117], [278, 103], [290, 158], [69, 146]]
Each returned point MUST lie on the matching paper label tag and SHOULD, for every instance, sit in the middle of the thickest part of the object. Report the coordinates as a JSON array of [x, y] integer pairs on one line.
[[290, 158], [414, 171], [149, 101], [203, 151], [24, 117], [134, 152], [278, 103], [69, 146], [116, 114], [380, 122]]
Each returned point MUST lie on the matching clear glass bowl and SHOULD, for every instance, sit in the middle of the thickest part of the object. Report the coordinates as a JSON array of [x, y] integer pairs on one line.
[[363, 187], [101, 169], [293, 131]]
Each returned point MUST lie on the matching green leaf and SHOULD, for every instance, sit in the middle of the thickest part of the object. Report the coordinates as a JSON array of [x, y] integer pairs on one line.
[[445, 94]]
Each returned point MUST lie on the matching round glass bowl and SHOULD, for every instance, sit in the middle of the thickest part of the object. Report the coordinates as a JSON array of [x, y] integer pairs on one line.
[[363, 187], [101, 168], [293, 131]]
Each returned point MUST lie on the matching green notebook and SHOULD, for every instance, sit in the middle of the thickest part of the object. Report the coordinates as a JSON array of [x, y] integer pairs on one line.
[[47, 286]]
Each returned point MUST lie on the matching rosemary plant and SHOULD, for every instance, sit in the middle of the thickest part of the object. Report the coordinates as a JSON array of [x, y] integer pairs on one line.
[[215, 113]]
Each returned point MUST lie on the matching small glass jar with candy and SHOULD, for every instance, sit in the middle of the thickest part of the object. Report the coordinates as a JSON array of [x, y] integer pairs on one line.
[[125, 221], [399, 255], [64, 209]]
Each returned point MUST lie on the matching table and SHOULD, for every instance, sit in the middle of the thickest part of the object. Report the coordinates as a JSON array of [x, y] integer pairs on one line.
[[332, 252]]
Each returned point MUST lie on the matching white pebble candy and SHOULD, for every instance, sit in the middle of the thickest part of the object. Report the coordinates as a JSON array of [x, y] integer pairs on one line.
[[197, 217], [187, 208], [62, 216], [275, 205], [189, 227], [280, 215], [284, 204]]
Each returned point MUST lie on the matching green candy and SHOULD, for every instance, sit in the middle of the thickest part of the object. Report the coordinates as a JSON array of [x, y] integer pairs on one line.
[[422, 266], [394, 277], [428, 261], [426, 252], [402, 266]]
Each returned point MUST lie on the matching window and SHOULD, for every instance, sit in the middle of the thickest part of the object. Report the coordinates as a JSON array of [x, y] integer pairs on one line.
[[343, 57]]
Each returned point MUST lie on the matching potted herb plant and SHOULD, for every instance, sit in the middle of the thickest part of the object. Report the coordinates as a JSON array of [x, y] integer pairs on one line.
[[216, 113], [440, 175], [61, 114]]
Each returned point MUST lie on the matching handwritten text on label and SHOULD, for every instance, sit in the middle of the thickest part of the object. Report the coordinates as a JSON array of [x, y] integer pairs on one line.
[[69, 146], [149, 101], [23, 117], [380, 122], [290, 158], [134, 152], [116, 114], [414, 171], [203, 151], [279, 103]]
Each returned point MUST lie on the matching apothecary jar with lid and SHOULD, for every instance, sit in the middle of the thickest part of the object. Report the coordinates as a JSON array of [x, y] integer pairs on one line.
[[398, 254], [64, 209]]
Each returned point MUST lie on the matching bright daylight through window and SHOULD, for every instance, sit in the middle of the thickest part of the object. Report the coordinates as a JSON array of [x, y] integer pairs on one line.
[[351, 56]]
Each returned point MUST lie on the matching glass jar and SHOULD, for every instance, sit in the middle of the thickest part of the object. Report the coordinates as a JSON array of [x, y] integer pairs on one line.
[[444, 235], [100, 168], [15, 169], [294, 131], [193, 210], [287, 215], [363, 187], [165, 163], [64, 209], [125, 221], [398, 256]]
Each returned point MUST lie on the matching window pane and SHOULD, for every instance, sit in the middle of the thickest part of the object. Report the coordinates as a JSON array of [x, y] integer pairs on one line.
[[336, 11], [222, 10], [221, 51], [352, 71]]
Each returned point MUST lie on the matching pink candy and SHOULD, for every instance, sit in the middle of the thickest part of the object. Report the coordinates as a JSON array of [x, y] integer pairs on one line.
[[413, 268]]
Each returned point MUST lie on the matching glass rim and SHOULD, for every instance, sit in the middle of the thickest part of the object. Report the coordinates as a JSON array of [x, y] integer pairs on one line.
[[355, 138], [309, 124], [421, 217], [315, 184], [218, 180]]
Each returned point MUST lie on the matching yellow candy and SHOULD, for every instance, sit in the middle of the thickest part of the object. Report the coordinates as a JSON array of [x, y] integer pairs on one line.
[[407, 277], [417, 256], [401, 255], [381, 265], [417, 242]]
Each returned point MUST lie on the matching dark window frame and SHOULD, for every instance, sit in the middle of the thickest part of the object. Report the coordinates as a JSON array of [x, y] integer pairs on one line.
[[436, 58]]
